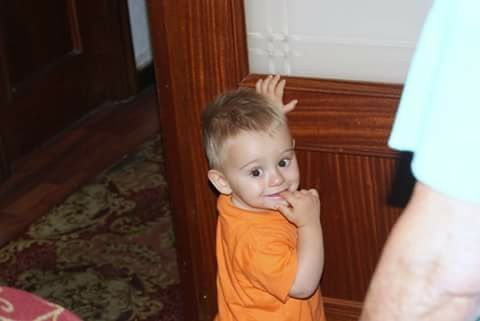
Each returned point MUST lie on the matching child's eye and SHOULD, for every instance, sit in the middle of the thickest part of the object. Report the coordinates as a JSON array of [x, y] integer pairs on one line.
[[284, 162], [256, 172]]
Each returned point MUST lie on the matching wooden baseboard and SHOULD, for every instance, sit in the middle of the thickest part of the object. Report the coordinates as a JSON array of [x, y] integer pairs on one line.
[[342, 310]]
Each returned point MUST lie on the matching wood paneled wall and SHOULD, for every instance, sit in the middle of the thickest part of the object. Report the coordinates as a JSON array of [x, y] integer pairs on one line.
[[341, 130]]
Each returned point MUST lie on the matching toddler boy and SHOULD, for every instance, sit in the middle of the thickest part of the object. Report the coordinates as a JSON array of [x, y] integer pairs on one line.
[[269, 242]]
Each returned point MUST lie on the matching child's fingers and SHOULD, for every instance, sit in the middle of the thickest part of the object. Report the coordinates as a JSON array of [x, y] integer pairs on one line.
[[266, 84], [258, 86], [287, 212], [290, 106], [273, 84], [278, 90], [314, 192], [299, 196], [290, 197]]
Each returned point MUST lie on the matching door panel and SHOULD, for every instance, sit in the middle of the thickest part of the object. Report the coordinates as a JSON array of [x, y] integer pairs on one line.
[[46, 68], [61, 59], [34, 41]]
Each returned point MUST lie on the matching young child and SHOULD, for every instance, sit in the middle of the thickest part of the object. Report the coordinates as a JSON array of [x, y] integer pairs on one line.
[[269, 238]]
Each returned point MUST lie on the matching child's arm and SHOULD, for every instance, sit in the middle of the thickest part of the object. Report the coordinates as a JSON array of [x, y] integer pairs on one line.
[[273, 90], [304, 212]]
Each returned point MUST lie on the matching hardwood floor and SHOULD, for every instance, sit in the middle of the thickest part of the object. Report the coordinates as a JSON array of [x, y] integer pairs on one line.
[[55, 170]]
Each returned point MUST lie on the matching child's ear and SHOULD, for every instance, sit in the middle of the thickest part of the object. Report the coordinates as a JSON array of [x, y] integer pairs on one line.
[[219, 181]]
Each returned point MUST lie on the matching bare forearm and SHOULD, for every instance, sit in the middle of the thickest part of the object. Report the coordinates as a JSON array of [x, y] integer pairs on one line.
[[310, 258], [429, 267]]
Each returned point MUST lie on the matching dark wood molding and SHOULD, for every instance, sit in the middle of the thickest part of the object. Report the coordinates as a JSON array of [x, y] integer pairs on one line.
[[333, 86]]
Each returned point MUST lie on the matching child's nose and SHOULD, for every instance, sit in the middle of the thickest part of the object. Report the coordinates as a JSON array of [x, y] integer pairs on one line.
[[276, 178]]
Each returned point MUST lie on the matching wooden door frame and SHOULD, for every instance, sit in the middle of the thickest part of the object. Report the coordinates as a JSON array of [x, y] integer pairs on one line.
[[200, 50]]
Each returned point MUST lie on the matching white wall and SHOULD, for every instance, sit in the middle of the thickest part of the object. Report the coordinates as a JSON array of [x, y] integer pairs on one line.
[[140, 32], [369, 40]]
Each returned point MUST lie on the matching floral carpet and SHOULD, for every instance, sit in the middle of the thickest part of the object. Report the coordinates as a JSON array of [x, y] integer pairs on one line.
[[89, 254]]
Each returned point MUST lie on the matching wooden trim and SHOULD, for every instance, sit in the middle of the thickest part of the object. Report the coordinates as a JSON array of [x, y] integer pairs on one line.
[[331, 86]]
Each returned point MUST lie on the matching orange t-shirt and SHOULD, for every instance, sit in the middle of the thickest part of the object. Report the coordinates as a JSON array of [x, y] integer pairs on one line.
[[257, 264]]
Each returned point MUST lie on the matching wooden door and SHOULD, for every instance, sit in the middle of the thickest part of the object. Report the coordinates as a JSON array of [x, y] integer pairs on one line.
[[58, 60], [340, 130]]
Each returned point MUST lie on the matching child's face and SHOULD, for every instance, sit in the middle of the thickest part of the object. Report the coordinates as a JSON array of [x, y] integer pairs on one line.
[[258, 166]]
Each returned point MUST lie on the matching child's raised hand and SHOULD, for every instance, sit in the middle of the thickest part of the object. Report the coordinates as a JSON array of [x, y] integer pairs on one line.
[[304, 207], [272, 87]]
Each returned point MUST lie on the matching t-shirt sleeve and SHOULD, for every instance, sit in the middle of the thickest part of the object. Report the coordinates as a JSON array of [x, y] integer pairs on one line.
[[439, 113], [269, 261]]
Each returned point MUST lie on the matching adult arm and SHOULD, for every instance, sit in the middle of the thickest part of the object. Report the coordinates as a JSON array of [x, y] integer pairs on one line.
[[430, 266]]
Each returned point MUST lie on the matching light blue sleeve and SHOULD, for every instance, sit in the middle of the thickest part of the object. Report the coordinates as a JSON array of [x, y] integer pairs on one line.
[[439, 113]]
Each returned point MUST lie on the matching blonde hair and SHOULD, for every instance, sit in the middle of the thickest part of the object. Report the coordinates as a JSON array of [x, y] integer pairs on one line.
[[233, 113]]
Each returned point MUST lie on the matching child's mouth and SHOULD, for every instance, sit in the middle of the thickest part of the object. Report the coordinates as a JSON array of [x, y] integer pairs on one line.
[[275, 196]]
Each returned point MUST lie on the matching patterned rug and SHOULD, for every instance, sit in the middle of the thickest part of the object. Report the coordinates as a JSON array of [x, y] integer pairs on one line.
[[90, 253]]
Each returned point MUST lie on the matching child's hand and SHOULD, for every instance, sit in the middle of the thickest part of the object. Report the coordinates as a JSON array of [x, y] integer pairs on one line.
[[273, 89], [304, 207]]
